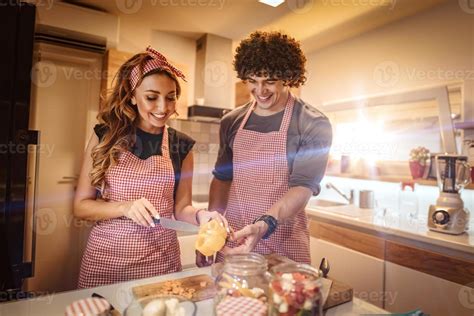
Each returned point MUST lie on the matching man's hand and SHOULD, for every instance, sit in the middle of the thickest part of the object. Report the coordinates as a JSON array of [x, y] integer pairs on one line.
[[248, 238]]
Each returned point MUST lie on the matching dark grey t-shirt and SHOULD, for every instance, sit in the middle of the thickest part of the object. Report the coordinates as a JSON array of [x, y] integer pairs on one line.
[[308, 143]]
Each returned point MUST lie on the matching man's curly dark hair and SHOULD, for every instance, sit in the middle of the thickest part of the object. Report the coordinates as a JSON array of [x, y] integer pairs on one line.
[[271, 54]]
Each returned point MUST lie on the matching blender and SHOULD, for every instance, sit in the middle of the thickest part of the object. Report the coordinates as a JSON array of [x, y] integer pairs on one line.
[[449, 215]]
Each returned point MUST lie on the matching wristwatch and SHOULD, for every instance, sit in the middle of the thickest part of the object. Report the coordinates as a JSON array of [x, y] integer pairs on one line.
[[271, 222]]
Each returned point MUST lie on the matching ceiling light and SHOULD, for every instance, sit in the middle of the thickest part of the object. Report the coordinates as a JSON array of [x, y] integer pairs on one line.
[[273, 3]]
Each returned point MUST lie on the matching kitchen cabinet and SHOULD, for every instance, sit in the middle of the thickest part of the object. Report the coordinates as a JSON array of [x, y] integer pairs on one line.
[[408, 273], [408, 289], [186, 245], [363, 272]]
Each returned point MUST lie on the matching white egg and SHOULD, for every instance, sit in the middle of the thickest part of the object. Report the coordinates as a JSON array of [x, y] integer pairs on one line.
[[171, 306], [286, 285], [308, 304], [257, 292], [287, 276], [277, 299], [155, 308], [283, 308]]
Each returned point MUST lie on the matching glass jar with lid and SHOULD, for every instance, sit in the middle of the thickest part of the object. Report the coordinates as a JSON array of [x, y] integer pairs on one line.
[[295, 289], [242, 283]]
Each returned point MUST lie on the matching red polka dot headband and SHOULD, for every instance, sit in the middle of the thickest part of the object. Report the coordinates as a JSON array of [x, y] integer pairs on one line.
[[157, 61]]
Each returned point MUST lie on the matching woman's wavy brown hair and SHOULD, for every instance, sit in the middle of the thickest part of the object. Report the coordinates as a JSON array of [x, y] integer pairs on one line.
[[118, 117]]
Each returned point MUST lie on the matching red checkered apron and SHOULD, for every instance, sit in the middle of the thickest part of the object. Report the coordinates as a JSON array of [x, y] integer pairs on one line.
[[260, 179], [119, 249]]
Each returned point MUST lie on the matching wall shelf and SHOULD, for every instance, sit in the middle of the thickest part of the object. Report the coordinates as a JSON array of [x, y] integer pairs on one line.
[[395, 179]]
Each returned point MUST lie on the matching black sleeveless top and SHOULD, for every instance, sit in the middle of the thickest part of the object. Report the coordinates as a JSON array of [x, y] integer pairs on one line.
[[148, 145]]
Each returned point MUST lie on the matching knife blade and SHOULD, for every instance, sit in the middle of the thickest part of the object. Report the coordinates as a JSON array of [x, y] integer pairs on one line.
[[176, 225]]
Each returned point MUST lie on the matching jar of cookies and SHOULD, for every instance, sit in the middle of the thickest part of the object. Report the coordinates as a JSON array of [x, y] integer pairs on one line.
[[242, 284]]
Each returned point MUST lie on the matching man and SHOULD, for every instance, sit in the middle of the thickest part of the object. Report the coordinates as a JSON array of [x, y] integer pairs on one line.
[[273, 153]]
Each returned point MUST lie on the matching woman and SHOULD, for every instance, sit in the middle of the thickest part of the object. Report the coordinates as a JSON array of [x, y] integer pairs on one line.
[[135, 167]]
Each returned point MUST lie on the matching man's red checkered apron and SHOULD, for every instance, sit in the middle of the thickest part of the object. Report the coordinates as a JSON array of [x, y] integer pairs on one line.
[[260, 178], [119, 249]]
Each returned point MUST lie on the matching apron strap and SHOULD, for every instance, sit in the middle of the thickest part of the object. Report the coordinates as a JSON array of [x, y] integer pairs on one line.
[[165, 150]]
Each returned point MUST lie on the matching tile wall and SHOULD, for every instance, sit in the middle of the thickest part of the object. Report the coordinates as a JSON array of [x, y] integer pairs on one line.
[[205, 152]]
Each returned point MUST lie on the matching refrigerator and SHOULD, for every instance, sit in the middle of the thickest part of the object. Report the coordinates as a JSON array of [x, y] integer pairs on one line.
[[17, 257]]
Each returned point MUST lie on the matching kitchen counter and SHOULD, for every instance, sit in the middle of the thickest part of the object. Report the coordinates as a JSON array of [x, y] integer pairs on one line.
[[393, 226], [119, 295]]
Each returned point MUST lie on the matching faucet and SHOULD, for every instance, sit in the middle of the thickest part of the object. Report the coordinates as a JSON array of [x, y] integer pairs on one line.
[[349, 199]]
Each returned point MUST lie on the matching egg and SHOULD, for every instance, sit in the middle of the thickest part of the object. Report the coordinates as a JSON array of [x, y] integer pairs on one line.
[[155, 308]]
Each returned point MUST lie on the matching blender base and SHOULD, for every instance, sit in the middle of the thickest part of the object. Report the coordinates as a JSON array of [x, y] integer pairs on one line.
[[453, 221]]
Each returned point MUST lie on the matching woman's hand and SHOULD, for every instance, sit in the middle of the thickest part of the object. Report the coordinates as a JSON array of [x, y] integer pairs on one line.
[[204, 216], [140, 211]]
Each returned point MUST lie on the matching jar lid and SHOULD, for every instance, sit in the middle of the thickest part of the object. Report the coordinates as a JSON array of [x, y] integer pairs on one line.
[[241, 306], [89, 306]]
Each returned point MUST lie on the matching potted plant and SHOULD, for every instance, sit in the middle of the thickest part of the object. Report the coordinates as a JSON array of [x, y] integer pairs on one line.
[[419, 158]]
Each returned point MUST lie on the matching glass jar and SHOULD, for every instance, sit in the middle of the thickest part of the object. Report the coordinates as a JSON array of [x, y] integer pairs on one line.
[[408, 200], [295, 289], [243, 280]]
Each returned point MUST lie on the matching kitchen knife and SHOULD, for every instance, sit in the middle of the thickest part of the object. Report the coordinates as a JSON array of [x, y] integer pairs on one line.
[[176, 225]]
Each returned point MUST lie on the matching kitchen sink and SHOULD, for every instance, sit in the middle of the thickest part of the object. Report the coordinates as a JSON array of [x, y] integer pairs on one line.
[[324, 203], [349, 210]]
